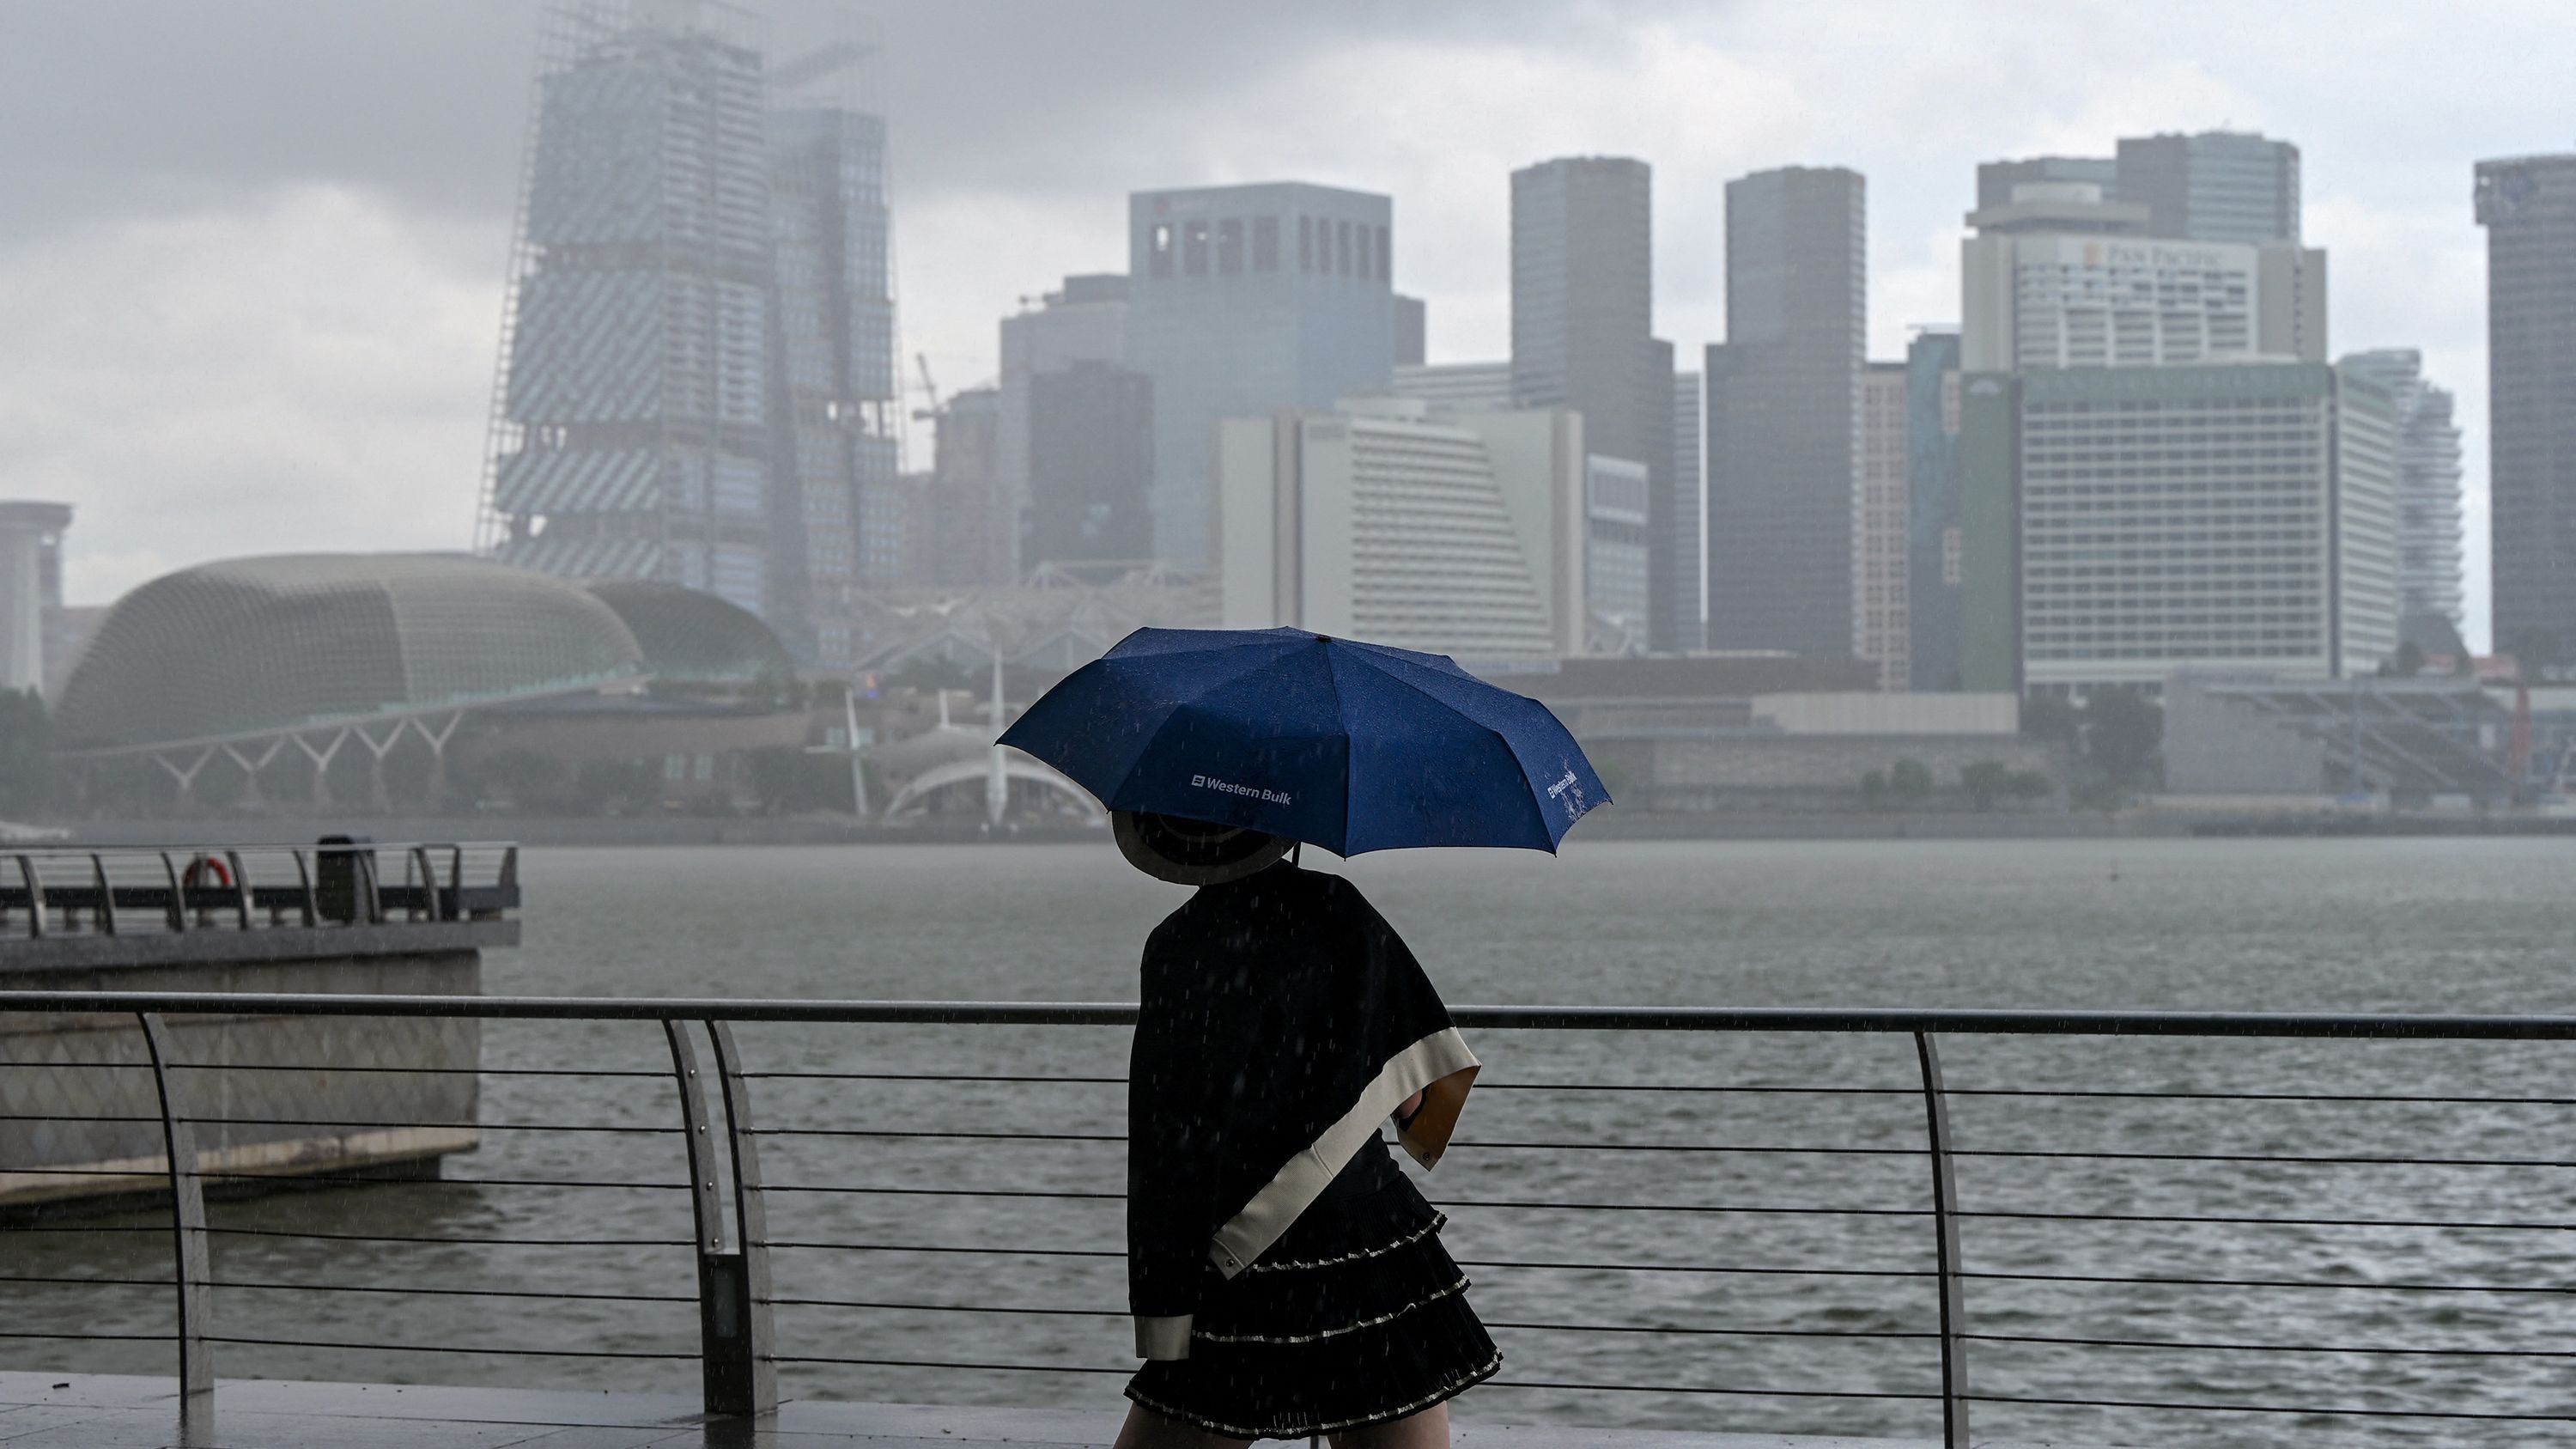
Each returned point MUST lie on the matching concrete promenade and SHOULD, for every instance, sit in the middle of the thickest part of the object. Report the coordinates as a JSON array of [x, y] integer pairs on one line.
[[104, 1411]]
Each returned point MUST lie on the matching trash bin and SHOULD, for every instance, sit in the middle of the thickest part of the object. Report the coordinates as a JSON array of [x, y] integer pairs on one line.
[[344, 877]]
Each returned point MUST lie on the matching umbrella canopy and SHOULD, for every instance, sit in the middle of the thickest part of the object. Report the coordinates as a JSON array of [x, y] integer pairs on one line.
[[1350, 746]]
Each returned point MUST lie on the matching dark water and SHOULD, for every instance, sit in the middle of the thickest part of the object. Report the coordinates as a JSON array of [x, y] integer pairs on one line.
[[1774, 1295]]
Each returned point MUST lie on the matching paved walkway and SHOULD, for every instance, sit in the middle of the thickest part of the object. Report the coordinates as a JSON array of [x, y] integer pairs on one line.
[[102, 1411]]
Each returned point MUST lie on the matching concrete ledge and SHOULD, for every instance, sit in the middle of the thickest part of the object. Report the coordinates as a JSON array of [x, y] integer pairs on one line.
[[40, 1411], [226, 944]]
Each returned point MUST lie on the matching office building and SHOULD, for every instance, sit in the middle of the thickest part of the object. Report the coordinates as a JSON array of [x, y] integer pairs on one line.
[[1412, 330], [1997, 180], [31, 589], [1783, 424], [1243, 300], [1083, 321], [1091, 462], [2058, 277], [2216, 186], [1457, 386], [1583, 292], [1683, 585], [1882, 631], [2430, 554], [1615, 572], [2124, 523], [697, 378], [1463, 534], [832, 388], [2528, 206], [972, 533], [1935, 526]]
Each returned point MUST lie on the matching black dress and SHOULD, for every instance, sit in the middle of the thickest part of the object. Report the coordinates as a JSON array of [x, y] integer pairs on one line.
[[1288, 1278]]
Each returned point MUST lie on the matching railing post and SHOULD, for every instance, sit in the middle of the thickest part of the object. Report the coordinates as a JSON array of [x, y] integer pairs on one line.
[[188, 1228], [35, 896], [177, 916], [104, 917], [756, 1379], [733, 1287], [241, 886], [1945, 1228]]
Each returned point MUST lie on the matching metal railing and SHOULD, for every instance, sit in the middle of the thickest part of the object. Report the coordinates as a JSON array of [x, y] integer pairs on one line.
[[1945, 1278], [126, 890]]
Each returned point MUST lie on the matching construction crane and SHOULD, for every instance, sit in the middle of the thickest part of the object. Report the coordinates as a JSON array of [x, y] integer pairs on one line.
[[929, 389]]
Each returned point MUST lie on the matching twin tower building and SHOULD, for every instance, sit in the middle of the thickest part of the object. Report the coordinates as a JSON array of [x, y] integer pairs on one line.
[[2132, 456]]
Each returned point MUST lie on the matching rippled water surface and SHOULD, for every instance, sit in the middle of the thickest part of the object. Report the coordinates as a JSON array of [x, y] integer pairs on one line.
[[1791, 1262]]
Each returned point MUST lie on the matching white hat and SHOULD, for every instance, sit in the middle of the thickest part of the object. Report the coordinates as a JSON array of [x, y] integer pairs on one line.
[[1192, 852]]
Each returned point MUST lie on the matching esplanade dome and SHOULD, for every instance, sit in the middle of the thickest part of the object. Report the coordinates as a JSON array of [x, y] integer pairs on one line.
[[260, 644]]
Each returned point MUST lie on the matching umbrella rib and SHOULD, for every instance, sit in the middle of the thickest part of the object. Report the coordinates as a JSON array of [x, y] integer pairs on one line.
[[1499, 738]]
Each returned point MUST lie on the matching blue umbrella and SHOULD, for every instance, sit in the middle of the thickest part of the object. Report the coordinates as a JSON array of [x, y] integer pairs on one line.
[[1350, 746]]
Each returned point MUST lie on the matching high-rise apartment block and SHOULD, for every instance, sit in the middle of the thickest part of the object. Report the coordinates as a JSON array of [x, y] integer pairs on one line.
[[2215, 186], [2124, 523], [2430, 554], [971, 523], [1583, 295], [697, 379], [1243, 300], [1936, 527], [1882, 631], [1463, 534], [1783, 413], [1616, 585], [2528, 206]]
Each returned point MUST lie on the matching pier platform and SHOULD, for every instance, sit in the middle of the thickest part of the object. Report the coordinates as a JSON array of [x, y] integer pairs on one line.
[[107, 1411]]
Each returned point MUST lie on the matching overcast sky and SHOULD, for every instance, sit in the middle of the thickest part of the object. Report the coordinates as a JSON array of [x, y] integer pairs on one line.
[[251, 251]]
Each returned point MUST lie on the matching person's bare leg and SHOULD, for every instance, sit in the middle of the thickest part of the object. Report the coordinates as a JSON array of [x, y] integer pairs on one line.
[[1146, 1429], [1426, 1430]]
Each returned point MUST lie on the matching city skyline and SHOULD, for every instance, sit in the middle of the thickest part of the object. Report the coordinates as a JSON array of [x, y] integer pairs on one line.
[[318, 237]]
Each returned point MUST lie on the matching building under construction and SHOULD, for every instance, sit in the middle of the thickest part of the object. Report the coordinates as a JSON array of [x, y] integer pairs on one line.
[[697, 381]]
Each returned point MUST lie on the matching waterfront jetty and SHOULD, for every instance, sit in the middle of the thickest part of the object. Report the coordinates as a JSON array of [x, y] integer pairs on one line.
[[85, 1100]]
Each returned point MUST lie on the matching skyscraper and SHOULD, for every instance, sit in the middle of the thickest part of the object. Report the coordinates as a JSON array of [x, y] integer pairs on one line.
[[1085, 320], [1935, 529], [1783, 413], [2058, 277], [1091, 461], [1882, 634], [1243, 300], [1683, 585], [2429, 551], [2528, 206], [697, 371], [832, 384], [1583, 294], [2216, 186], [2248, 523]]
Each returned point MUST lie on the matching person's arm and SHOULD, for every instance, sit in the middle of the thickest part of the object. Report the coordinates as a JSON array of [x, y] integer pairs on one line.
[[1169, 1176]]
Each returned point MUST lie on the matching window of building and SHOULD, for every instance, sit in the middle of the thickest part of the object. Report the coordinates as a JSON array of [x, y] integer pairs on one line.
[[1342, 247], [1158, 250], [1364, 252], [1265, 243], [1305, 244], [1194, 249], [1229, 247], [1385, 257]]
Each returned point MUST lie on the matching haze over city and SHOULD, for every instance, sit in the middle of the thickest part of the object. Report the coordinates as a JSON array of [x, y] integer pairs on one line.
[[254, 283]]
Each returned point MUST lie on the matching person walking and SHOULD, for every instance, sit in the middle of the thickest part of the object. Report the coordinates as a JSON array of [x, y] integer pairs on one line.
[[1286, 1277]]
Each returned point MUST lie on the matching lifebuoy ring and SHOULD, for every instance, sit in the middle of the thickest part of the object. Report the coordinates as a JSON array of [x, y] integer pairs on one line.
[[206, 870]]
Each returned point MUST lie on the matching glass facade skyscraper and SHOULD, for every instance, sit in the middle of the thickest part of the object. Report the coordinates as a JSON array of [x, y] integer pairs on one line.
[[1243, 300], [2429, 547], [2216, 186], [697, 373]]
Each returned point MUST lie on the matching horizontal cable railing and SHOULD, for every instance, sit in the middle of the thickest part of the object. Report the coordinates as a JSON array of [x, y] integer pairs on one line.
[[898, 1199], [141, 890]]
